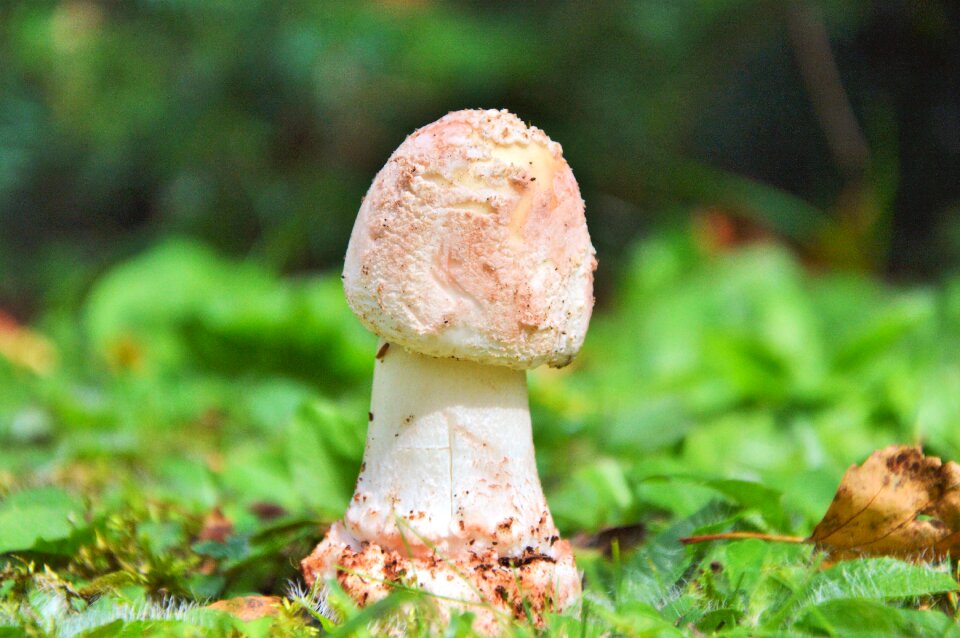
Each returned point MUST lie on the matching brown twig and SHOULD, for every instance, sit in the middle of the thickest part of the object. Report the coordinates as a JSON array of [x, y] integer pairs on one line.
[[733, 536], [811, 45]]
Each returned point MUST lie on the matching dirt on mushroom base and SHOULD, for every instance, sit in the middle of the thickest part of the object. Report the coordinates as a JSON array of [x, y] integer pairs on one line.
[[494, 588]]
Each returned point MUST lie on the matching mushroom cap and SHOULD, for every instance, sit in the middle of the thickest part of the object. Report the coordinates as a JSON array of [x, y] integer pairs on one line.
[[472, 243]]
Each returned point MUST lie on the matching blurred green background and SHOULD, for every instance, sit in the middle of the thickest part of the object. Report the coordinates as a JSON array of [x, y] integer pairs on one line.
[[773, 189], [257, 127]]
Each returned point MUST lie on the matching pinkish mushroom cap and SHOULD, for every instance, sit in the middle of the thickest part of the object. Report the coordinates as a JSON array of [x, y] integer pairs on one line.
[[472, 243]]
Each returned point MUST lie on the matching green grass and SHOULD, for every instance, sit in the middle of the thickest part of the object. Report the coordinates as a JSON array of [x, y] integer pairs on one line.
[[715, 393]]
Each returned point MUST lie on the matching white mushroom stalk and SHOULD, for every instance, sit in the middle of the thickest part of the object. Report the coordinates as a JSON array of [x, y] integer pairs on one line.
[[471, 259], [449, 466]]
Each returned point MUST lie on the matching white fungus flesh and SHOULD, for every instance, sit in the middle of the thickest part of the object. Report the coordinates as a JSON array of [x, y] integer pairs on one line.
[[471, 259], [455, 460]]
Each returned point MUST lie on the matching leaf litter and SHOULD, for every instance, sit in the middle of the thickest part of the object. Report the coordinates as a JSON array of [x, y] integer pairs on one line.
[[899, 503]]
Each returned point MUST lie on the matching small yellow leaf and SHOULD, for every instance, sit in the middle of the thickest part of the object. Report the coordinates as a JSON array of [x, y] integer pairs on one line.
[[26, 348], [248, 608]]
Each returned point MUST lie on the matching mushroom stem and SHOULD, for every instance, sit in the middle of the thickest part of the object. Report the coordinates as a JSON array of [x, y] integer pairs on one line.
[[449, 463], [448, 499]]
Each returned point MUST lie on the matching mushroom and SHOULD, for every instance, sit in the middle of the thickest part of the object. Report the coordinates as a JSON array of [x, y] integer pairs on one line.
[[470, 258]]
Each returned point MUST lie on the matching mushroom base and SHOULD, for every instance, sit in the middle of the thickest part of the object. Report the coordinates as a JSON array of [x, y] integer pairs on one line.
[[493, 587]]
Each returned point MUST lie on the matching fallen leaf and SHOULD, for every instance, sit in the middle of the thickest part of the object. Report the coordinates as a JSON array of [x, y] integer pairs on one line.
[[898, 503], [216, 527], [248, 608]]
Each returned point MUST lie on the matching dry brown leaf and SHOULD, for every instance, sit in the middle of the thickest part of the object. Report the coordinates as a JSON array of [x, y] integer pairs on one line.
[[216, 527], [878, 507], [248, 608], [898, 503]]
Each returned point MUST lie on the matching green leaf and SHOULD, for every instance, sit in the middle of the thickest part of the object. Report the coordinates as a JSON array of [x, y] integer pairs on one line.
[[145, 300], [30, 517], [260, 473], [883, 329], [765, 500], [882, 579], [376, 611], [718, 619], [679, 495], [160, 537], [318, 473], [206, 586], [639, 619], [108, 630], [744, 562], [869, 618], [235, 548], [596, 495]]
